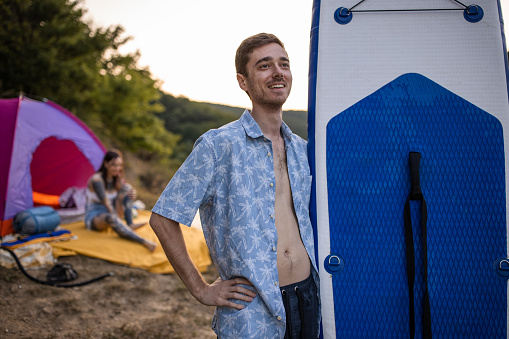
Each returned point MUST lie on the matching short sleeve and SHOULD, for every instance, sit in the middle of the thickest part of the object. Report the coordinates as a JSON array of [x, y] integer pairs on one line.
[[190, 186]]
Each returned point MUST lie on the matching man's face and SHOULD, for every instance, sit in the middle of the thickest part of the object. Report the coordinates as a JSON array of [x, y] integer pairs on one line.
[[269, 79]]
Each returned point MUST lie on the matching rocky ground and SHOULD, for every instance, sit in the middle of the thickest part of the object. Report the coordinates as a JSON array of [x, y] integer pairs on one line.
[[133, 303]]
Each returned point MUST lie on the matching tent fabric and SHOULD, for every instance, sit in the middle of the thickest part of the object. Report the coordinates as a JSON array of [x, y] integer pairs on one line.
[[8, 114], [43, 146], [50, 170], [109, 246]]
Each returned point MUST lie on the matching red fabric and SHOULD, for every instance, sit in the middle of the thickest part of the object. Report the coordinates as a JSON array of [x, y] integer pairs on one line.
[[6, 227], [53, 173], [8, 114]]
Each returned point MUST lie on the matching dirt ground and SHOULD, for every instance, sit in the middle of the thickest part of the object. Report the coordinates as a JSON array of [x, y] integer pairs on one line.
[[133, 303]]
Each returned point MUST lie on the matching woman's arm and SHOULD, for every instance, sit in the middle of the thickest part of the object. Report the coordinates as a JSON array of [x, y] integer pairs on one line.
[[99, 189]]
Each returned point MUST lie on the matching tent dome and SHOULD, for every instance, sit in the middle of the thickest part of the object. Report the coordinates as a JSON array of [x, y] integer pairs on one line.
[[43, 148]]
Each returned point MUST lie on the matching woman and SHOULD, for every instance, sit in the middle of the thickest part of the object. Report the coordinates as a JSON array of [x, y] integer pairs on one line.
[[108, 197]]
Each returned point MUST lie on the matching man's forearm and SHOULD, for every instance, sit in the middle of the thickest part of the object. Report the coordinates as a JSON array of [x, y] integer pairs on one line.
[[219, 293], [172, 241]]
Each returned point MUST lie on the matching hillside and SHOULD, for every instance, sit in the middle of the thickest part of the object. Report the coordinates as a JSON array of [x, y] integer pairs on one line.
[[296, 120], [188, 120]]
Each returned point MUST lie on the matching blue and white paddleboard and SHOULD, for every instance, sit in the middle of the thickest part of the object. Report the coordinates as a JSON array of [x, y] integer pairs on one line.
[[408, 132]]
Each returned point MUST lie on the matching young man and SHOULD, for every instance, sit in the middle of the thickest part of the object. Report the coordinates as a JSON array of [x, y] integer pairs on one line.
[[251, 181]]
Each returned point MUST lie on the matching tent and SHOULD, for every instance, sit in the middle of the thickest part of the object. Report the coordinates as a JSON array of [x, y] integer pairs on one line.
[[43, 148]]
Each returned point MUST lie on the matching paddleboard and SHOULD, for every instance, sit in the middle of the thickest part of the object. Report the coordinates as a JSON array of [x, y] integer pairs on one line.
[[408, 132]]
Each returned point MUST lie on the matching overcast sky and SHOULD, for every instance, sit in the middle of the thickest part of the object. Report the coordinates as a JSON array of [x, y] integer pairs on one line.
[[190, 45]]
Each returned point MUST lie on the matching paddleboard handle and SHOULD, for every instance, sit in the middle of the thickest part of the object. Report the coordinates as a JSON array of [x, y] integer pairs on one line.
[[415, 178], [414, 160]]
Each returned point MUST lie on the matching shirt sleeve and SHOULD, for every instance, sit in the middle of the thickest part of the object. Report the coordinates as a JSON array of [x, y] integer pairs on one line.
[[190, 187]]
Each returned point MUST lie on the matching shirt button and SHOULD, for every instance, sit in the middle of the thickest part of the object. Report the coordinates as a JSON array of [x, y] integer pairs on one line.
[[278, 317], [275, 283], [272, 216], [274, 248], [265, 139], [271, 184], [268, 154]]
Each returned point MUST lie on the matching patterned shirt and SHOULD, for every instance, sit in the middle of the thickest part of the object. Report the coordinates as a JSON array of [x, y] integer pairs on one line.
[[230, 177]]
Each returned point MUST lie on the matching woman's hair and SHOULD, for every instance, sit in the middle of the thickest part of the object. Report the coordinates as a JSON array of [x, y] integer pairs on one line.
[[249, 45], [109, 156]]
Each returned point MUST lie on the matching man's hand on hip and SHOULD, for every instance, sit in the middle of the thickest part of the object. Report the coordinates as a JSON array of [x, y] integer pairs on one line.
[[220, 291]]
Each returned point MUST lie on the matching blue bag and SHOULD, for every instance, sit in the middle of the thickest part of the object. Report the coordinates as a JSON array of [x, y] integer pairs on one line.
[[36, 220]]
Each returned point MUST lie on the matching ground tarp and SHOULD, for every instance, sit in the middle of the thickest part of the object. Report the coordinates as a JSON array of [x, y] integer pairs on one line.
[[109, 246]]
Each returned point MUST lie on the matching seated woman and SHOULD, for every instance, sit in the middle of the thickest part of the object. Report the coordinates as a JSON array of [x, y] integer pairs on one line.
[[108, 197]]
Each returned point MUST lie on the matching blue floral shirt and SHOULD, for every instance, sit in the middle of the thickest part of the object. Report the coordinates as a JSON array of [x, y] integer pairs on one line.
[[230, 177]]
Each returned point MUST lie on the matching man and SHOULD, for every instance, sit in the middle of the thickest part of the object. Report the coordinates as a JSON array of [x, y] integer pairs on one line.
[[251, 181]]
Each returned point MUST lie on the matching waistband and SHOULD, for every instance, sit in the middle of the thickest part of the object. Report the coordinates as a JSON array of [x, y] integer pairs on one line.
[[303, 285]]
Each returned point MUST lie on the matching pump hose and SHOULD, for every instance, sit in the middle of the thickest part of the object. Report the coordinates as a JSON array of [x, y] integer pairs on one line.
[[39, 281]]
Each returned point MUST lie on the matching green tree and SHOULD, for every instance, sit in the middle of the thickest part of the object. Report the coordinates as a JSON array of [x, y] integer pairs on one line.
[[190, 119], [47, 50]]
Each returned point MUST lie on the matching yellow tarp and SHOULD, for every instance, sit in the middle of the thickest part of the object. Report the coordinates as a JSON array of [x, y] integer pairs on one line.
[[109, 246]]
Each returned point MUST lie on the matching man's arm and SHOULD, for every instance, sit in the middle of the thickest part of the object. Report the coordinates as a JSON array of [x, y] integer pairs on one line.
[[215, 294]]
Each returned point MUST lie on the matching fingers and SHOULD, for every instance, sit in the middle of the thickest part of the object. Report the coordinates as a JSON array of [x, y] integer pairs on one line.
[[240, 280], [240, 296], [235, 287], [231, 304], [225, 292]]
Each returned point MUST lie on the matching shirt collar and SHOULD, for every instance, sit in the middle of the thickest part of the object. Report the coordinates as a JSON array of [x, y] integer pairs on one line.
[[253, 130]]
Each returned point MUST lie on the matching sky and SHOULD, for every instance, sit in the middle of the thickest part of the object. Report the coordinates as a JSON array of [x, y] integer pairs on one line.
[[190, 45]]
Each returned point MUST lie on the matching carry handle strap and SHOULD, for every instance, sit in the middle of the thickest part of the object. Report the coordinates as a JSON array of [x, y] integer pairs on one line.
[[414, 160], [416, 194]]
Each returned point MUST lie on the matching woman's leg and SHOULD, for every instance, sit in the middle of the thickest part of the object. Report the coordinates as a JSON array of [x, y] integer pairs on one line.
[[99, 222], [104, 220]]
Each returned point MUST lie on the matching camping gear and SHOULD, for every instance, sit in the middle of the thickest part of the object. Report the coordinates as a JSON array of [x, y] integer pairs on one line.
[[73, 202], [408, 145], [43, 148], [36, 220], [41, 199], [107, 245], [30, 255], [59, 273], [58, 235]]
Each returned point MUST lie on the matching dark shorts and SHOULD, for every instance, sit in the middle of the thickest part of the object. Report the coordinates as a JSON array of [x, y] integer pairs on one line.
[[301, 306]]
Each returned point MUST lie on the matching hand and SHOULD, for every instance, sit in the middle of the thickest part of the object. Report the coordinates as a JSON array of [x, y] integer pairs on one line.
[[218, 293], [132, 194]]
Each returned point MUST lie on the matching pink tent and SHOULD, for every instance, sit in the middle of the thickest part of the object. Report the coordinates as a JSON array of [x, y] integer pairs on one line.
[[43, 148]]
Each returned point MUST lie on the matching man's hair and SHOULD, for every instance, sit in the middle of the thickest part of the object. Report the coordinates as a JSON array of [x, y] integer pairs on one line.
[[249, 45]]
